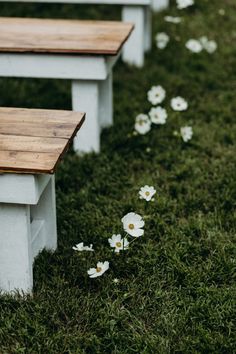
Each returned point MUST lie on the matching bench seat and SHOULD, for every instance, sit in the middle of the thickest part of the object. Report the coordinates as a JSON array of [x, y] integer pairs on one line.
[[32, 142], [62, 36], [136, 11], [82, 51]]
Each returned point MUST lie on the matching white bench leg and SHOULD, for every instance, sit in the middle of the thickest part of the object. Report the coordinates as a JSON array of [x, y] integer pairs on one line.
[[45, 211], [159, 5], [15, 248], [106, 102], [85, 98], [148, 29], [133, 52]]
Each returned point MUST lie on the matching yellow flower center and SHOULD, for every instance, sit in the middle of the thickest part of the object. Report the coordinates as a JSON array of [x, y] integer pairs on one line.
[[147, 193], [118, 244], [131, 226], [98, 269]]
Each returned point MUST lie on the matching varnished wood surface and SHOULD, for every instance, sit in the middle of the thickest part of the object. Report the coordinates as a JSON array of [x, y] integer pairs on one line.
[[62, 36], [34, 140]]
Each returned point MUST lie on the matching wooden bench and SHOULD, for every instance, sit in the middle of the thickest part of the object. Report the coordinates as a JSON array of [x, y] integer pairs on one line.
[[32, 143], [135, 11], [82, 51]]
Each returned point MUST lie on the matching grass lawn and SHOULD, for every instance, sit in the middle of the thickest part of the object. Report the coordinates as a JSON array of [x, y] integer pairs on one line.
[[176, 290]]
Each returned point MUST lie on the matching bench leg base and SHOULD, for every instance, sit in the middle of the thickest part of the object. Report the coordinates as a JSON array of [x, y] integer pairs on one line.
[[85, 98], [133, 52], [15, 248], [159, 5], [45, 211], [106, 102], [24, 231], [148, 29]]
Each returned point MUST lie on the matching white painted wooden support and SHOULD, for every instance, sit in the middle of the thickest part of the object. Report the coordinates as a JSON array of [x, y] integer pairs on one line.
[[46, 210], [148, 29], [55, 66], [38, 237], [133, 51], [27, 225], [106, 102], [15, 248], [85, 98], [22, 189], [159, 5]]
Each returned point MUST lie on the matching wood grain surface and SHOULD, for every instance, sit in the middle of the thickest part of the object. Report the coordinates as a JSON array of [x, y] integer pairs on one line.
[[34, 140], [62, 36]]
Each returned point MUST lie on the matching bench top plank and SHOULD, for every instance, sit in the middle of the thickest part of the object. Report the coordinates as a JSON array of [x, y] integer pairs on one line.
[[62, 36], [32, 141]]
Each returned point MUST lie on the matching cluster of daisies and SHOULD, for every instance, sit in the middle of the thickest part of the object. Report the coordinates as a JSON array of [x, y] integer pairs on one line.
[[203, 43], [133, 225], [158, 115], [194, 45]]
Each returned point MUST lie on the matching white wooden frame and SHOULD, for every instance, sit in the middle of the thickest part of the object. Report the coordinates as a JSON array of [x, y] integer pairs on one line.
[[91, 78], [28, 224]]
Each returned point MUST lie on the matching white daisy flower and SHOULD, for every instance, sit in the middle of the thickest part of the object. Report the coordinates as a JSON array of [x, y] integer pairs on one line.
[[203, 40], [142, 124], [118, 243], [182, 4], [102, 267], [172, 19], [158, 115], [186, 133], [147, 192], [80, 247], [162, 39], [194, 46], [115, 281], [209, 45], [179, 104], [221, 12], [133, 224], [156, 94]]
